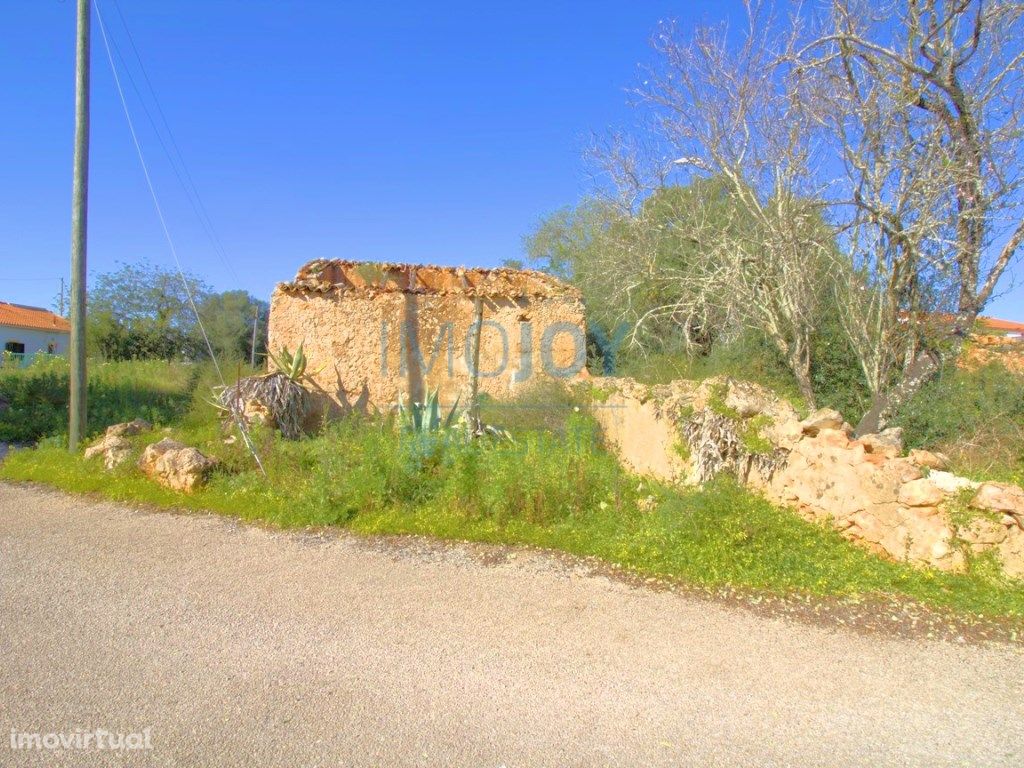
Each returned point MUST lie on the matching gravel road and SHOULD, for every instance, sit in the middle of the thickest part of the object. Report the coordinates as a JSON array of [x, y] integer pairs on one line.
[[238, 646]]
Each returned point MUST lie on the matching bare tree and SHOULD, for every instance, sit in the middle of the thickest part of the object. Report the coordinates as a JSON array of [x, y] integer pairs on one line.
[[896, 124], [736, 115], [922, 101]]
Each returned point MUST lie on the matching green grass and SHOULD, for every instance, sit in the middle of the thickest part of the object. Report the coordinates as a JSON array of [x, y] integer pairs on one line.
[[751, 437], [559, 492], [555, 487], [747, 360], [36, 397], [974, 416]]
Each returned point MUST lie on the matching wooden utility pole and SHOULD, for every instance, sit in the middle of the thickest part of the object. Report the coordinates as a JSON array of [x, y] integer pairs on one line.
[[79, 216]]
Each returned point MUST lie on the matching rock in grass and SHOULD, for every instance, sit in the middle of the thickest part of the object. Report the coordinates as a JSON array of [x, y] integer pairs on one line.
[[128, 428], [114, 446], [115, 450], [929, 459], [1001, 497], [176, 465]]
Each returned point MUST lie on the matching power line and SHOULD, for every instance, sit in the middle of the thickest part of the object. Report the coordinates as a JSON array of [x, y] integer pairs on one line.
[[163, 224], [175, 158]]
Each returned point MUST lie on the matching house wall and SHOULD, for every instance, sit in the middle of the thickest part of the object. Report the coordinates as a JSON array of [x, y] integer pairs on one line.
[[365, 347], [34, 340]]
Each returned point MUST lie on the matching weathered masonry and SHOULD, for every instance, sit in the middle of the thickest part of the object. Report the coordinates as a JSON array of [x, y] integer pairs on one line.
[[372, 331]]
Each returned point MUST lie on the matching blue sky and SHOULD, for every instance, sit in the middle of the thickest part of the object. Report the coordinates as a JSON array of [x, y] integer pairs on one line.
[[425, 132]]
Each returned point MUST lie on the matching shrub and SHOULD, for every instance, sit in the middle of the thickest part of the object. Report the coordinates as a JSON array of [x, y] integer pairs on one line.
[[977, 417], [36, 397], [749, 357], [540, 478], [545, 406], [836, 376]]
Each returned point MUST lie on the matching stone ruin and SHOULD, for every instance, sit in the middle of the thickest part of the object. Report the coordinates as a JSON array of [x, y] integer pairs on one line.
[[907, 508], [373, 331]]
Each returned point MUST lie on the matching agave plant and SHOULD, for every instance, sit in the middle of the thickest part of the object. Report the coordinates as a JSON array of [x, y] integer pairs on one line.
[[291, 365], [425, 418]]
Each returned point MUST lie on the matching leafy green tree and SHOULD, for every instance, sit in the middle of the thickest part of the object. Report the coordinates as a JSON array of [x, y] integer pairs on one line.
[[695, 267], [229, 318], [144, 311]]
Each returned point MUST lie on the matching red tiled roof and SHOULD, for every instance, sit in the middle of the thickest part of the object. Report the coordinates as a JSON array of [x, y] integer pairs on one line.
[[982, 323], [995, 324], [20, 316]]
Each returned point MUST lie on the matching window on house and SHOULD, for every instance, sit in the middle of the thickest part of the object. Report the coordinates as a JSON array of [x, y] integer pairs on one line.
[[51, 348], [15, 346]]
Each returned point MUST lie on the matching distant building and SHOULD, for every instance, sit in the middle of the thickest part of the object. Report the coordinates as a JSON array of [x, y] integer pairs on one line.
[[28, 331], [986, 331], [1008, 330]]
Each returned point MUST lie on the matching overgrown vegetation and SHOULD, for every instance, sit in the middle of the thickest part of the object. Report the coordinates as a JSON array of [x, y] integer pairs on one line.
[[142, 311], [555, 486], [780, 188], [976, 417], [34, 400]]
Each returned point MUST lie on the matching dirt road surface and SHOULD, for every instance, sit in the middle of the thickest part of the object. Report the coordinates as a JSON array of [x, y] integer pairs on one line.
[[237, 646]]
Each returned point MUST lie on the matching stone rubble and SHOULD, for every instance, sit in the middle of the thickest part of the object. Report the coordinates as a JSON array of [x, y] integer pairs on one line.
[[898, 506], [114, 446], [176, 465]]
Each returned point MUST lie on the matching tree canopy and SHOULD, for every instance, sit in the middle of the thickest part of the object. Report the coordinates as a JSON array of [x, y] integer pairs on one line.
[[144, 311]]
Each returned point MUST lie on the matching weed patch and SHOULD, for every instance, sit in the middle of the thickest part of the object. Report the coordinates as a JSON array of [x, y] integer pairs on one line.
[[566, 494]]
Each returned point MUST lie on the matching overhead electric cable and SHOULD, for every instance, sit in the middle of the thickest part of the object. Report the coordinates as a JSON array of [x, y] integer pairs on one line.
[[163, 224], [175, 157]]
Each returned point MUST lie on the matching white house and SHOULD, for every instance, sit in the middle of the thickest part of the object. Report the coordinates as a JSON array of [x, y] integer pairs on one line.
[[27, 331]]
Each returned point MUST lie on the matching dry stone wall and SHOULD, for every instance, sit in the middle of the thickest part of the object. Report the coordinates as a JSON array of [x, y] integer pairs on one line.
[[373, 331], [907, 508]]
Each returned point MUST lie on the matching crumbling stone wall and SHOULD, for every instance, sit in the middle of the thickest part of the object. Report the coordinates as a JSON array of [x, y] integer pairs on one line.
[[907, 508], [373, 331]]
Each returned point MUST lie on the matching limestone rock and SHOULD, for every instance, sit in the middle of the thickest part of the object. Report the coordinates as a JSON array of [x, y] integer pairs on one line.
[[920, 493], [128, 428], [982, 533], [176, 465], [929, 459], [743, 398], [904, 469], [114, 446], [114, 449], [888, 443], [864, 488], [1001, 497], [785, 434], [1011, 553], [823, 418], [747, 399], [951, 483]]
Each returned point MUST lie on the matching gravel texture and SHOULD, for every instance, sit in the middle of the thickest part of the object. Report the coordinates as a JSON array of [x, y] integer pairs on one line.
[[239, 646]]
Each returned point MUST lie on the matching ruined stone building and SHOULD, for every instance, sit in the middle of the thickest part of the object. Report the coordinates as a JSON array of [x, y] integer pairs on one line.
[[372, 331]]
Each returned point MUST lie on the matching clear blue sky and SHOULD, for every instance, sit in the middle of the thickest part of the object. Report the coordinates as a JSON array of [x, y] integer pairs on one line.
[[426, 132]]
